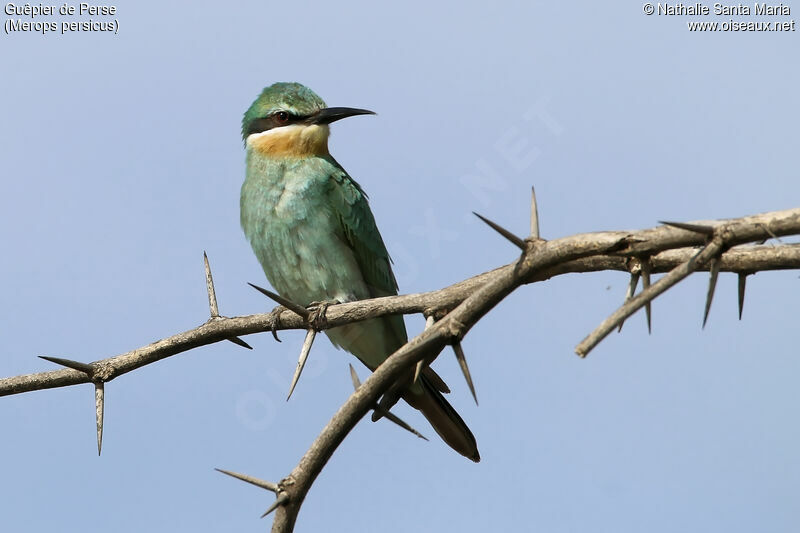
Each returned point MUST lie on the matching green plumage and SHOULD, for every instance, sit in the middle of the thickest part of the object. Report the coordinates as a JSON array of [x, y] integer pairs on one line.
[[312, 230], [293, 97]]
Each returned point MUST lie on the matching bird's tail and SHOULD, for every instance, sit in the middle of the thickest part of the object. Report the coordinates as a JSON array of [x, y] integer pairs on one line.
[[444, 419]]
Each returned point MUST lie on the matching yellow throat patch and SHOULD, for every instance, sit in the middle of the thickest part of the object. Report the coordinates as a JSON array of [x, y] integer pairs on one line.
[[291, 141]]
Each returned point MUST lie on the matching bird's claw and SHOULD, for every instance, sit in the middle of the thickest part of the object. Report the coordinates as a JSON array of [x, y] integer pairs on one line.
[[276, 321], [318, 319]]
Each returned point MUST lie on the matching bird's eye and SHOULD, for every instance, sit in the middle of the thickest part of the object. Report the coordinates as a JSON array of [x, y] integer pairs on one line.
[[282, 117]]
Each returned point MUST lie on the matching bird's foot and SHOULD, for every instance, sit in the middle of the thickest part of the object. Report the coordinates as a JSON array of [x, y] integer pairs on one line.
[[276, 320], [318, 319]]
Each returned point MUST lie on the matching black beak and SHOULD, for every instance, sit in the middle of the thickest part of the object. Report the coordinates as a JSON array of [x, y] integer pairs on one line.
[[332, 114]]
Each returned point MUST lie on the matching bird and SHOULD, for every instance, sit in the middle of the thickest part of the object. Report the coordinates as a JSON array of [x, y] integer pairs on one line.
[[310, 226]]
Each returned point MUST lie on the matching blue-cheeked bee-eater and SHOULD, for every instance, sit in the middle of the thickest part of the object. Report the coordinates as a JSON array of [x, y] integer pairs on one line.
[[312, 230]]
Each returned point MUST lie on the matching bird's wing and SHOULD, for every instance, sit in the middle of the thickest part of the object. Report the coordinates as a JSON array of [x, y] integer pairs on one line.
[[358, 229]]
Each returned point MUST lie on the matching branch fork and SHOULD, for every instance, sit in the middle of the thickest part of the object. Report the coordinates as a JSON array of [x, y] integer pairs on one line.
[[676, 249]]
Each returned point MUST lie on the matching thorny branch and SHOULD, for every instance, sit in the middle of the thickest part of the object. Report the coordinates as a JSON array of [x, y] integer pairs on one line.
[[673, 248]]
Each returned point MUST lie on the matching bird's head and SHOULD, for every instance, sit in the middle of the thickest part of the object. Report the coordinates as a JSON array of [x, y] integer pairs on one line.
[[290, 120]]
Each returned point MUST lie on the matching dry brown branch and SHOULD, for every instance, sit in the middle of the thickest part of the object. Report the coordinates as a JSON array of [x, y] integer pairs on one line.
[[716, 246], [538, 258], [744, 260]]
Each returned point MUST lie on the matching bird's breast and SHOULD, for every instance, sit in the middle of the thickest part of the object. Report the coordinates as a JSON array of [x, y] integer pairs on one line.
[[288, 218]]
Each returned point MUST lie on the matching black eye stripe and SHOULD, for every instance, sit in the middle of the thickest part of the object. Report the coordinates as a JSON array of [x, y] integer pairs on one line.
[[275, 119], [259, 124]]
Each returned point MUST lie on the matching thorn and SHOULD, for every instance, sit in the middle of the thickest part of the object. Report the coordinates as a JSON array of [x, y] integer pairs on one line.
[[212, 295], [301, 362], [711, 249], [462, 361], [386, 402], [99, 404], [75, 365], [429, 322], [712, 285], [418, 370], [697, 228], [742, 283], [397, 420], [239, 342], [645, 285], [212, 302], [278, 501], [381, 411], [288, 304], [519, 243], [534, 215], [629, 294], [99, 390], [354, 377], [250, 479]]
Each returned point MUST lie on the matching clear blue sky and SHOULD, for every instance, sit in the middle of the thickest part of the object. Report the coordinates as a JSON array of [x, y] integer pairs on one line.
[[122, 162]]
